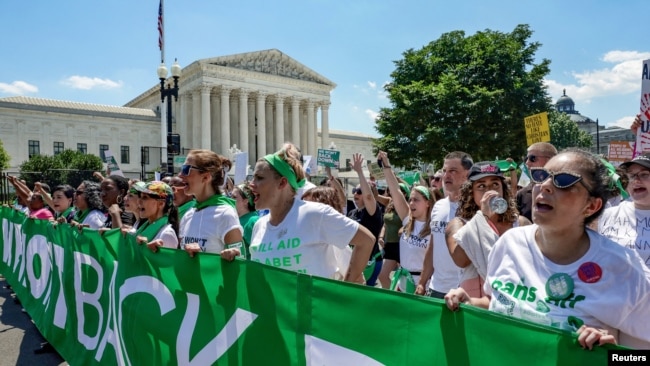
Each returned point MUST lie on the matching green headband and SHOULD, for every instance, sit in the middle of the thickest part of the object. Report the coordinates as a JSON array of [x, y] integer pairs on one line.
[[249, 197], [423, 191], [285, 170]]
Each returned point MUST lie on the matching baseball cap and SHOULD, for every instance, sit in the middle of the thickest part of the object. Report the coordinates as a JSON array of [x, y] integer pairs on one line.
[[484, 169], [155, 188], [643, 160]]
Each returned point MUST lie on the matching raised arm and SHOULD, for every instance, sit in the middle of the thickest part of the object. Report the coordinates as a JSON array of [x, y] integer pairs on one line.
[[363, 241], [399, 201], [368, 198], [38, 188], [457, 253], [334, 183]]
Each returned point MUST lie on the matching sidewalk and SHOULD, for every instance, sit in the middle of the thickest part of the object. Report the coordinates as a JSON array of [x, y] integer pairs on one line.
[[18, 335]]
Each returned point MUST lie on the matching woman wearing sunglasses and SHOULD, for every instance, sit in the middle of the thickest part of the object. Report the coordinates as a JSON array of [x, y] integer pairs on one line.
[[159, 216], [558, 272], [476, 227], [415, 216], [89, 207], [298, 235], [182, 200], [212, 225]]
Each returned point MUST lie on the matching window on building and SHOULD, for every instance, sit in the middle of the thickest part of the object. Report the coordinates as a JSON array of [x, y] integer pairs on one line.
[[58, 147], [145, 155], [102, 151], [82, 147], [124, 155], [34, 148]]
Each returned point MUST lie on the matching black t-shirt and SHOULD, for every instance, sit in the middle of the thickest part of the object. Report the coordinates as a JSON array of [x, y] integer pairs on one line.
[[373, 223], [525, 201]]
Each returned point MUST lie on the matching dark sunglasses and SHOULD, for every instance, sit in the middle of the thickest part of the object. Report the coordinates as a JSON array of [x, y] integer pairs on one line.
[[436, 179], [533, 158], [79, 193], [185, 169], [560, 179], [356, 190]]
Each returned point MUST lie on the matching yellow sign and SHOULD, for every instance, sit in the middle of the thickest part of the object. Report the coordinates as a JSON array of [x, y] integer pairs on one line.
[[537, 129]]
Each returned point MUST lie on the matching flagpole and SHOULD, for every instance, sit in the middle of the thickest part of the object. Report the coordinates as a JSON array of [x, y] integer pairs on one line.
[[163, 115]]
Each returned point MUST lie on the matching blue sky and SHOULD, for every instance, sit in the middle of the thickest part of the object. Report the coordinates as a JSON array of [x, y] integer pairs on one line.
[[106, 52]]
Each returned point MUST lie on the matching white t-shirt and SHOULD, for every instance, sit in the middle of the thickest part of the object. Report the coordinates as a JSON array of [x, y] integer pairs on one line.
[[95, 219], [628, 226], [446, 274], [208, 227], [308, 185], [611, 284], [412, 249], [168, 236], [303, 241]]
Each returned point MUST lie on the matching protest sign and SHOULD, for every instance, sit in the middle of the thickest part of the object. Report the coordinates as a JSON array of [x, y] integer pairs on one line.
[[328, 158], [102, 299], [309, 164], [241, 167], [643, 133], [537, 129], [111, 163], [620, 152], [376, 171]]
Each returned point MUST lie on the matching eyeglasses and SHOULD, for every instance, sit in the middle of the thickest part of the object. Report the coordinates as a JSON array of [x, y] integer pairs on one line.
[[533, 158], [436, 179], [185, 169], [560, 180], [643, 176], [79, 193], [356, 190]]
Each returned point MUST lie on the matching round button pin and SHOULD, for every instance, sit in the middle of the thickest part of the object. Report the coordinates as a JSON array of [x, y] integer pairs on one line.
[[559, 286], [590, 272]]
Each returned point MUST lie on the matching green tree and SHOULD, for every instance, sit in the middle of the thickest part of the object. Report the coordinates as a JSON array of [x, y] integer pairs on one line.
[[4, 157], [68, 167], [463, 93], [565, 133]]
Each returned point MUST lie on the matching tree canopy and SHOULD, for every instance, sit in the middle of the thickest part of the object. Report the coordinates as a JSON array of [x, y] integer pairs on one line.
[[4, 157], [565, 133], [68, 167], [463, 93]]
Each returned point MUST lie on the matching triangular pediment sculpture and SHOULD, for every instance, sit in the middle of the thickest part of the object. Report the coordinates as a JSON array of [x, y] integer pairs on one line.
[[271, 62]]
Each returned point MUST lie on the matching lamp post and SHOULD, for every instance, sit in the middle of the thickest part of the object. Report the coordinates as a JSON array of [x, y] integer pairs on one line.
[[169, 93]]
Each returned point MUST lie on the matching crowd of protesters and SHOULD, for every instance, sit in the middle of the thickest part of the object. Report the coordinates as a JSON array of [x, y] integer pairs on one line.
[[468, 234]]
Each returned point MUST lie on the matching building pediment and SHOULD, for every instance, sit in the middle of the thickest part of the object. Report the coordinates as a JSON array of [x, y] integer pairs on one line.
[[271, 62]]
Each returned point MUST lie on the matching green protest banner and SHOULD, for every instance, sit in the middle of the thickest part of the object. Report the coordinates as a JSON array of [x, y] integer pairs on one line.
[[328, 158], [410, 177], [105, 300]]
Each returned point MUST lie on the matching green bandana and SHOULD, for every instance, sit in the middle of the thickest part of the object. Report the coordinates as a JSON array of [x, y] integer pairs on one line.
[[65, 213], [410, 282], [424, 191], [285, 170], [80, 216], [216, 200], [150, 230]]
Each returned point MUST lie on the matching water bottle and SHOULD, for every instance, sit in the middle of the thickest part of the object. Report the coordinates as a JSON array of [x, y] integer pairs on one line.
[[498, 205]]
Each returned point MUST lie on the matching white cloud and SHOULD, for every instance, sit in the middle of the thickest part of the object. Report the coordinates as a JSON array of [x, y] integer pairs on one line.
[[87, 83], [621, 78], [372, 84], [623, 122], [18, 87], [372, 114]]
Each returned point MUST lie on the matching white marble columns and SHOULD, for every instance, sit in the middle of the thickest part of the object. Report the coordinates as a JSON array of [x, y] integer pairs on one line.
[[243, 120], [225, 119], [279, 121], [261, 125], [295, 121], [205, 116]]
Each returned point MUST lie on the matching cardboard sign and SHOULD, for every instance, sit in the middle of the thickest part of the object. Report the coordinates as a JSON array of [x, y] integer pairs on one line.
[[328, 158], [376, 171], [241, 167], [620, 152], [537, 129], [643, 134], [309, 164], [111, 163]]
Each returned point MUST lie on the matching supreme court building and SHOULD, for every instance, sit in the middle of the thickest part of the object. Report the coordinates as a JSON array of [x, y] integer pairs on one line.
[[253, 101]]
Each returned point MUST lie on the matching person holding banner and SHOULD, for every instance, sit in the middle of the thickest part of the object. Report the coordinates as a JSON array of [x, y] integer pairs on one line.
[[212, 225], [476, 227], [299, 235], [113, 190], [558, 271], [89, 206], [159, 226], [60, 200], [416, 237]]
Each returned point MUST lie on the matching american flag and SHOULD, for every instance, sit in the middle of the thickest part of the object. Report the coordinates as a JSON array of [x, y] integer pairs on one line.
[[160, 26]]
